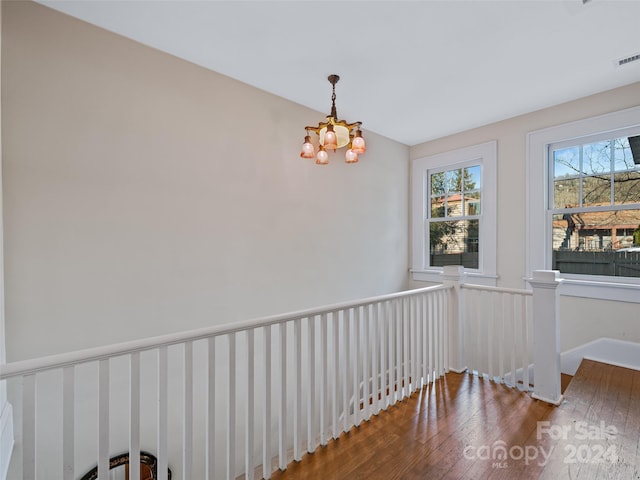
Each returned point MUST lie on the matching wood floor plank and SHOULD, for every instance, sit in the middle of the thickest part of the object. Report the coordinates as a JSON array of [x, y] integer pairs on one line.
[[453, 428]]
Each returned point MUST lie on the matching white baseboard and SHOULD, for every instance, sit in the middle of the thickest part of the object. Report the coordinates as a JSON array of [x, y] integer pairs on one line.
[[621, 353], [6, 438], [547, 400]]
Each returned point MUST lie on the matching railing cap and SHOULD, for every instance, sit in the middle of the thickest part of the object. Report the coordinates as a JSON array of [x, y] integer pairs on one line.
[[546, 278], [452, 272]]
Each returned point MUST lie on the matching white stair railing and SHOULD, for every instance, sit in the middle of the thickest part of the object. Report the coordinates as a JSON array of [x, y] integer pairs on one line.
[[239, 399], [508, 334], [498, 334]]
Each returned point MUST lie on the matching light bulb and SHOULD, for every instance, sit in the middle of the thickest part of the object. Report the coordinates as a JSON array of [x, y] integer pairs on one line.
[[350, 156], [323, 157], [358, 144], [307, 148], [330, 139]]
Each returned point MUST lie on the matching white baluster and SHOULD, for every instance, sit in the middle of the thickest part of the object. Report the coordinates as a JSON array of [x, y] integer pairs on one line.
[[524, 344], [530, 335], [103, 419], [406, 327], [134, 416], [437, 326], [335, 380], [355, 344], [414, 344], [399, 320], [311, 378], [513, 342], [365, 350], [490, 332], [500, 335], [444, 362], [249, 413], [163, 416], [417, 345], [346, 341], [323, 379], [384, 342], [375, 372], [297, 398], [282, 411], [430, 316], [29, 426], [266, 405], [478, 316], [68, 422], [391, 323], [231, 409], [210, 450], [187, 432], [425, 338], [422, 344]]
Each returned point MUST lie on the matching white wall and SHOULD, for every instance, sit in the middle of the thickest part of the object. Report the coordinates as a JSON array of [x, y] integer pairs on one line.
[[582, 320], [145, 195], [6, 413]]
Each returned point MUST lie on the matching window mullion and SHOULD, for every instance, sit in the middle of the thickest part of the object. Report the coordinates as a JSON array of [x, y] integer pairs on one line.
[[454, 219], [612, 174], [581, 176]]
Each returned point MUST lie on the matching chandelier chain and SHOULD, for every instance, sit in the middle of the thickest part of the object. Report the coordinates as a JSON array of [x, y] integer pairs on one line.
[[334, 113]]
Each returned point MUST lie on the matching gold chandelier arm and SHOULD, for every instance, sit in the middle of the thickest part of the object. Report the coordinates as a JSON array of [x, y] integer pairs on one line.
[[315, 130], [321, 125]]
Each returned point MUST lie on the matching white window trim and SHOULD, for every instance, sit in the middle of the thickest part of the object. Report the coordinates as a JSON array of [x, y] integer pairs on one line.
[[486, 155], [537, 235]]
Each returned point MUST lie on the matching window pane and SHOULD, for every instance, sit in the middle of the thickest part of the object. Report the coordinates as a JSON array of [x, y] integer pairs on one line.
[[566, 162], [566, 193], [472, 203], [454, 243], [596, 191], [437, 207], [622, 156], [454, 205], [627, 187], [437, 184], [472, 179], [596, 158], [453, 181], [597, 243]]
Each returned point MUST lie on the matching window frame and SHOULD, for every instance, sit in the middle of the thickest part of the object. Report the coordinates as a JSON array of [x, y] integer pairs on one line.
[[485, 155], [538, 241]]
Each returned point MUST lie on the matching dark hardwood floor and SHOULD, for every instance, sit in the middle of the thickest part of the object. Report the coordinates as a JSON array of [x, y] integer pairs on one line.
[[455, 428]]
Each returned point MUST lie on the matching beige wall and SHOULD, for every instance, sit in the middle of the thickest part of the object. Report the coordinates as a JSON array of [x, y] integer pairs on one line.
[[146, 195], [582, 320], [6, 411]]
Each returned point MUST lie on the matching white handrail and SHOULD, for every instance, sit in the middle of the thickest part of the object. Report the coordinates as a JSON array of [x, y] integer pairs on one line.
[[40, 364], [487, 288]]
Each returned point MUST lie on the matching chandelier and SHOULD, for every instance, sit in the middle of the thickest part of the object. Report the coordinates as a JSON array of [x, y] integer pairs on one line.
[[334, 134]]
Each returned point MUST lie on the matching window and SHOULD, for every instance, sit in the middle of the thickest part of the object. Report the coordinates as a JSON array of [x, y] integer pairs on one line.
[[453, 216], [454, 213], [595, 208], [583, 215]]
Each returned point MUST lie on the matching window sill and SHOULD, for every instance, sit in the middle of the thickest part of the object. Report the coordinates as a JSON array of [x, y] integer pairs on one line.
[[600, 289], [435, 276]]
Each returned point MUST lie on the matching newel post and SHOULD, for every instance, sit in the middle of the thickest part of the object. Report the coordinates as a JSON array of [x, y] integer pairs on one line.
[[453, 275], [546, 336]]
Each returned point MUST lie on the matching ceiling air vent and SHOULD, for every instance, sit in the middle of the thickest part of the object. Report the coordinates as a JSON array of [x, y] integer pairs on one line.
[[629, 59]]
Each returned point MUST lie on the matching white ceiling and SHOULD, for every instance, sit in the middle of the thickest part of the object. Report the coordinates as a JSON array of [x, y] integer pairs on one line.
[[410, 70]]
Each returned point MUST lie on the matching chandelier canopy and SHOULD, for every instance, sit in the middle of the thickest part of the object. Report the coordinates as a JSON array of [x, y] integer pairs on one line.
[[333, 134]]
